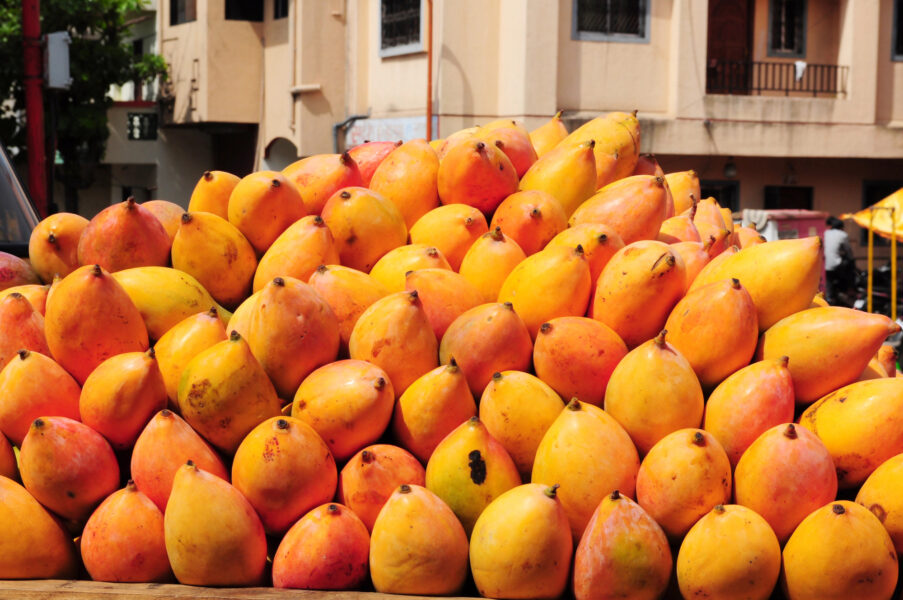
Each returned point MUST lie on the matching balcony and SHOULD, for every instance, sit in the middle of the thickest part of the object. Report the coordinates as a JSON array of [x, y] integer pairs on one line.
[[737, 77]]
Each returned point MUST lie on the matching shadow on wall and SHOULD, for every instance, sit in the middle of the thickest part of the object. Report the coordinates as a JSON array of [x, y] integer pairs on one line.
[[447, 58]]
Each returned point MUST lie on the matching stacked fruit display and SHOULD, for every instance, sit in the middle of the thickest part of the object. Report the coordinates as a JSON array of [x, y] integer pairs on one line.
[[531, 359]]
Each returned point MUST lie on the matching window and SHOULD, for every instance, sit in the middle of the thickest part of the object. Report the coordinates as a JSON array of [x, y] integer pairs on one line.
[[182, 11], [788, 197], [898, 31], [787, 28], [400, 27], [280, 9], [611, 20], [726, 193], [244, 10]]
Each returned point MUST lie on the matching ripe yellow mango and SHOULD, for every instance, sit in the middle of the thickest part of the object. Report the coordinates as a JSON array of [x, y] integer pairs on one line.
[[684, 187], [469, 469], [881, 494], [781, 276], [262, 205], [390, 270], [211, 193], [615, 134], [599, 243], [21, 328], [489, 261], [530, 217], [452, 229], [567, 173], [678, 229], [653, 392], [348, 292], [53, 245], [446, 295], [168, 213], [175, 348], [590, 455], [408, 177], [860, 424], [512, 139], [297, 252], [548, 135], [476, 173], [320, 176], [526, 526], [634, 207]]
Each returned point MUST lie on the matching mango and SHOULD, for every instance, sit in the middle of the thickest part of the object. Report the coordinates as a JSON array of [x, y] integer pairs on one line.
[[488, 338], [469, 469], [526, 526], [653, 392], [15, 272], [224, 393], [213, 251], [678, 229], [34, 293], [168, 213], [576, 356], [446, 295], [517, 409], [349, 293], [121, 395], [292, 332], [211, 193], [369, 155], [123, 540], [715, 329], [263, 205], [408, 178], [9, 466], [749, 570], [546, 136], [623, 554], [284, 469], [67, 466], [124, 236], [637, 290], [89, 319], [320, 176], [887, 356], [489, 261], [695, 256], [365, 225], [33, 544], [327, 549], [34, 385], [395, 334], [213, 536], [567, 173], [184, 341], [647, 164], [744, 237], [749, 402], [684, 476], [616, 134], [590, 455], [167, 443], [780, 276], [710, 223], [165, 297], [860, 426], [552, 283], [452, 229], [462, 135], [784, 475], [599, 243], [53, 245], [881, 494], [348, 403], [417, 545], [390, 270], [840, 550], [431, 408], [634, 207], [512, 139], [478, 174], [531, 218], [684, 187], [240, 322], [370, 476], [21, 328], [297, 252], [828, 347]]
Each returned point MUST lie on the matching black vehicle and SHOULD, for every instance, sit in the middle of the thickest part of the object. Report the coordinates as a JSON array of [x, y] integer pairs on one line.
[[17, 215]]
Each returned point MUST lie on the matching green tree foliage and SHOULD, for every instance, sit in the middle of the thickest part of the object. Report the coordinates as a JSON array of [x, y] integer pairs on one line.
[[100, 56]]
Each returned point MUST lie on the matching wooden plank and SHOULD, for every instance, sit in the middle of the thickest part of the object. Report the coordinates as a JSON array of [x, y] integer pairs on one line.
[[94, 590]]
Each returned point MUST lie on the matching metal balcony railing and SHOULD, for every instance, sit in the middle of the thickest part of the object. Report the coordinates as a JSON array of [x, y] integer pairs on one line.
[[749, 77]]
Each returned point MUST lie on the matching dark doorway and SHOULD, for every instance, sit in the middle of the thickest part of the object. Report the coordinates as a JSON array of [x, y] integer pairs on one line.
[[729, 52], [726, 193], [788, 197]]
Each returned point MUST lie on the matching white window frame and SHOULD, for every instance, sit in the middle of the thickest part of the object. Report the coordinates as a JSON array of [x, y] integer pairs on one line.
[[406, 49], [595, 36]]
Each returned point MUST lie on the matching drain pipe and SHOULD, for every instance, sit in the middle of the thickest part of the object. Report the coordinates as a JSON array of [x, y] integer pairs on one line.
[[343, 126]]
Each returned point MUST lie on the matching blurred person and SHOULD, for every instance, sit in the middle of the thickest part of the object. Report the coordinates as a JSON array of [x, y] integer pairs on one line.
[[839, 263]]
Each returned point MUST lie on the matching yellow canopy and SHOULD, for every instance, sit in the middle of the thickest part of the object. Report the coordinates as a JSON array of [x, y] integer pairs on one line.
[[877, 217]]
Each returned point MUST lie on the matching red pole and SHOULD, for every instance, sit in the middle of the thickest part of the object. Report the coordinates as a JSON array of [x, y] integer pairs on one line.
[[429, 70], [34, 104]]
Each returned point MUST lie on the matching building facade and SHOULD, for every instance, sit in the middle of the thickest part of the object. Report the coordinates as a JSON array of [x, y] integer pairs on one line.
[[775, 103]]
